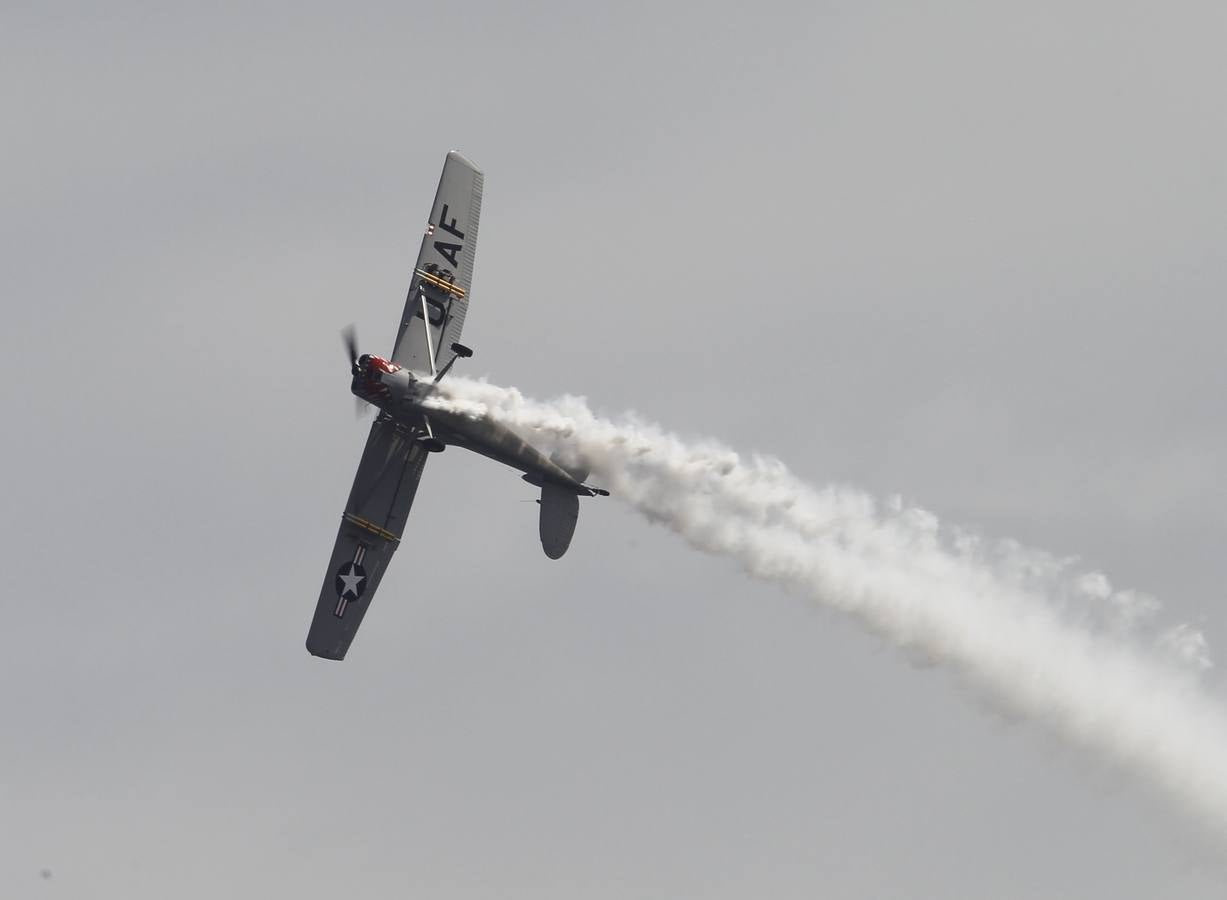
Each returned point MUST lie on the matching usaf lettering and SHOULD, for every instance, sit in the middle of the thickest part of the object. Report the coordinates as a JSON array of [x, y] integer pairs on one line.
[[446, 250]]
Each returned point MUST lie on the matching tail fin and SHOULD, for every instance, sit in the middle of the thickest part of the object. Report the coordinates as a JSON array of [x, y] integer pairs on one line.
[[559, 513]]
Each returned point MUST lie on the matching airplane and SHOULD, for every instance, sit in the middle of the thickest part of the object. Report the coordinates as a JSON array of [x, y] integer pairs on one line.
[[405, 432]]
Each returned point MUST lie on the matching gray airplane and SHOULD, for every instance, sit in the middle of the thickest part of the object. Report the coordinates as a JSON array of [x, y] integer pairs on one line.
[[405, 432]]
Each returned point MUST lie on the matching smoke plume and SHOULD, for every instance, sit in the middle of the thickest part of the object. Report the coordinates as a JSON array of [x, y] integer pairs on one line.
[[1025, 630]]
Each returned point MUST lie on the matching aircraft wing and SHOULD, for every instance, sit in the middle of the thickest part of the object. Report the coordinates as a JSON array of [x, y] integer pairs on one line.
[[443, 273], [371, 527]]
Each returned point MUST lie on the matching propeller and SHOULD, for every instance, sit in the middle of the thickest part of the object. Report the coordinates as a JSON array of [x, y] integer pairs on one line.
[[349, 335]]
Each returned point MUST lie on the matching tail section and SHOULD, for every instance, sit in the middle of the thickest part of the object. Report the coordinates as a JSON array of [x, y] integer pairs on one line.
[[559, 513]]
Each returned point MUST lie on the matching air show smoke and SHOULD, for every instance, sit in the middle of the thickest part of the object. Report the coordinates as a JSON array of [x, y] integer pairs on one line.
[[1021, 628]]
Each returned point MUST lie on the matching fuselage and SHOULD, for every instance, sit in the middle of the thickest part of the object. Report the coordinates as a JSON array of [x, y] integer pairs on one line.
[[400, 394]]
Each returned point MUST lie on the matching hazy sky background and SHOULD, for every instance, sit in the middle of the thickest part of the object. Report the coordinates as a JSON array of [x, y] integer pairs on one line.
[[971, 253]]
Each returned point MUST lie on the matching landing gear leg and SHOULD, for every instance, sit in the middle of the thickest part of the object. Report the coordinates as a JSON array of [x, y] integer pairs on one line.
[[428, 441]]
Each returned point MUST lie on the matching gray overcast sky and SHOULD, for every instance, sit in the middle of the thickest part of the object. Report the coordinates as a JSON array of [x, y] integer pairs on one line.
[[972, 253]]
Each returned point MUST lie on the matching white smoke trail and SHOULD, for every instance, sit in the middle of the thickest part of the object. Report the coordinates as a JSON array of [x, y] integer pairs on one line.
[[1020, 627]]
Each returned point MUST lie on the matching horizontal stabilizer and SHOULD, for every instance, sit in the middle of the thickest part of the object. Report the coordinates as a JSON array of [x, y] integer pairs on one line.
[[559, 513]]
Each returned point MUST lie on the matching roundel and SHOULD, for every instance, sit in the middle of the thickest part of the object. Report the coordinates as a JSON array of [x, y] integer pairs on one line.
[[350, 581]]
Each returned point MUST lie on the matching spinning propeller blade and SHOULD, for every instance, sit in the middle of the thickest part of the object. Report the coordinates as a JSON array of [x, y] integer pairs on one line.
[[349, 335]]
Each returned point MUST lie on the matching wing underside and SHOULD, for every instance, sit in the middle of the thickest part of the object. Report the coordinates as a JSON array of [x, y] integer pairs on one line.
[[371, 528], [443, 273]]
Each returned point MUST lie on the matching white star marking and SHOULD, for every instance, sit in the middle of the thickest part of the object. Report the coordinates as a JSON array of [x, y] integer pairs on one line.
[[352, 581]]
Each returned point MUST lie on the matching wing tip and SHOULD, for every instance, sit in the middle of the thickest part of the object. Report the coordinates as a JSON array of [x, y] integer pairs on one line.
[[325, 653], [463, 160]]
